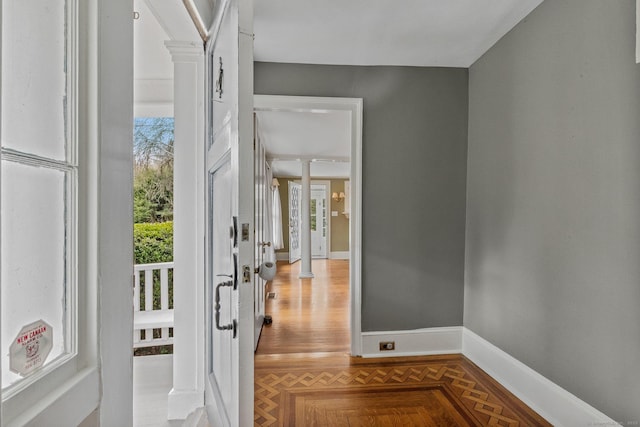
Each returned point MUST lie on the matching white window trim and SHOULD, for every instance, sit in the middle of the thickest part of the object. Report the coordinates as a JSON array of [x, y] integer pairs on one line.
[[30, 388]]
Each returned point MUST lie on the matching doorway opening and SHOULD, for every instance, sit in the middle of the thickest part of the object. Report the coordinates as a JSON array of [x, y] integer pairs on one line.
[[320, 221], [335, 170]]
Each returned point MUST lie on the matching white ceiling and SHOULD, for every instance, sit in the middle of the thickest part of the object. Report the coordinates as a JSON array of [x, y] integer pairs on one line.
[[442, 33], [323, 137], [452, 33], [445, 33]]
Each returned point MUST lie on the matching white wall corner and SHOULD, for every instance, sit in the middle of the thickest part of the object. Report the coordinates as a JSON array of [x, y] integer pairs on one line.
[[552, 402], [416, 342], [182, 404]]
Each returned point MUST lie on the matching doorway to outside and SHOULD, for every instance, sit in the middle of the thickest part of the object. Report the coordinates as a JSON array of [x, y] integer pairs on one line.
[[349, 112]]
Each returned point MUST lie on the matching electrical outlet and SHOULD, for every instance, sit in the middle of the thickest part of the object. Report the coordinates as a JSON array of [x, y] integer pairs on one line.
[[387, 345]]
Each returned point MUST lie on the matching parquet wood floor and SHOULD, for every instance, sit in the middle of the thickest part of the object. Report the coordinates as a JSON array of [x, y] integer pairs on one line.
[[304, 386]]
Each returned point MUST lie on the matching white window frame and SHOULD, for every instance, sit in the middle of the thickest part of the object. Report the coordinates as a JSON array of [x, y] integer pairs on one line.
[[100, 390], [68, 390]]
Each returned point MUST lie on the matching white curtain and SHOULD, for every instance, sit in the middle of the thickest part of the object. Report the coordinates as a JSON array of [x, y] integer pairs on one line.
[[276, 217]]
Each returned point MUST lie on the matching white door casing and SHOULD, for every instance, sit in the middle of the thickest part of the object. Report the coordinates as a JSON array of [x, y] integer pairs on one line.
[[354, 106], [230, 243], [295, 217]]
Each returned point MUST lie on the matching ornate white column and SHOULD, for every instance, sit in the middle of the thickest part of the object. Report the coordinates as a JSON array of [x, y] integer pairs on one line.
[[305, 225], [188, 229]]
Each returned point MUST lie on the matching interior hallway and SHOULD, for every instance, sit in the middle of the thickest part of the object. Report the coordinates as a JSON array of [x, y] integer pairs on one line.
[[304, 375]]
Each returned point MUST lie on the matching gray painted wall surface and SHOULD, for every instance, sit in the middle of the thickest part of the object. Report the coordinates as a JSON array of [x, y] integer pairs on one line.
[[414, 174], [553, 207]]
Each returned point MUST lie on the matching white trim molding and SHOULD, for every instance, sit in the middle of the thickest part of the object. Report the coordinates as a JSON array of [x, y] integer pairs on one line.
[[637, 31], [551, 401], [417, 342], [339, 255]]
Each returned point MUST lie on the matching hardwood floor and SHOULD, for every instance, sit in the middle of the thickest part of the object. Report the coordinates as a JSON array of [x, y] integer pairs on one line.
[[305, 377], [309, 315]]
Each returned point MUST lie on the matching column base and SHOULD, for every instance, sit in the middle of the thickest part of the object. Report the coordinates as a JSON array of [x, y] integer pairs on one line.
[[181, 403], [308, 275]]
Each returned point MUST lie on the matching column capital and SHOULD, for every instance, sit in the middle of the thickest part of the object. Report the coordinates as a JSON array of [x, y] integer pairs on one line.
[[185, 51]]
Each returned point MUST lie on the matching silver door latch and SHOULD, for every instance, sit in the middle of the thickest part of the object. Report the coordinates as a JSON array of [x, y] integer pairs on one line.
[[246, 274]]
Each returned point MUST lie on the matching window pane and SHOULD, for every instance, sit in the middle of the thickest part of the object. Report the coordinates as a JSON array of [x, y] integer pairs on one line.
[[34, 278], [33, 77], [313, 214]]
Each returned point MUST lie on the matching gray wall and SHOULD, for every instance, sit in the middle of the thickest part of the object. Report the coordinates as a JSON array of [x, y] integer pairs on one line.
[[553, 205], [414, 173]]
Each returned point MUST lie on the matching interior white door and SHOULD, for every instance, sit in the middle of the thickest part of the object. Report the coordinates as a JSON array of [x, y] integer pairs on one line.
[[318, 221], [295, 217], [262, 236], [230, 244]]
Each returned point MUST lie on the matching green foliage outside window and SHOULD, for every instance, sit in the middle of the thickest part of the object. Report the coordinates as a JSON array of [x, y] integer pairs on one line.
[[153, 242], [153, 140]]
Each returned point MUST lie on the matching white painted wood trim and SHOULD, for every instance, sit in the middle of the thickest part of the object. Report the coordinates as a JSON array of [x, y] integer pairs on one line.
[[188, 361], [282, 256], [355, 227], [637, 31], [69, 405], [417, 342], [552, 402], [111, 124], [355, 107], [339, 255]]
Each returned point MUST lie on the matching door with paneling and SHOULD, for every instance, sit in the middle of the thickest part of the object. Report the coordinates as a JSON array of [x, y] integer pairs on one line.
[[295, 218], [229, 239]]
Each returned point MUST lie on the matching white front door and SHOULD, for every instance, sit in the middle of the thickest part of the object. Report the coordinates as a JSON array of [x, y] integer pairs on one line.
[[295, 196], [230, 215], [319, 221]]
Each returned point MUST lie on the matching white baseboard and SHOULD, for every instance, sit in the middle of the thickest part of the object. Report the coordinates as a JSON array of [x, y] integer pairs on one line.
[[282, 256], [551, 401], [339, 255], [555, 404], [417, 342]]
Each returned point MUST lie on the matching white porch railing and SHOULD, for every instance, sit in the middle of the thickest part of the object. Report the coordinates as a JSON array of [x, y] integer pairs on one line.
[[146, 318]]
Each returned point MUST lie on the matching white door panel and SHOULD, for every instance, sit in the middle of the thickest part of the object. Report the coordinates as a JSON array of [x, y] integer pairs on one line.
[[319, 223], [295, 196], [230, 242]]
